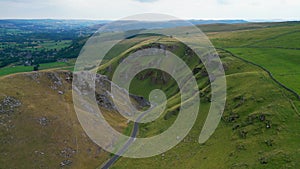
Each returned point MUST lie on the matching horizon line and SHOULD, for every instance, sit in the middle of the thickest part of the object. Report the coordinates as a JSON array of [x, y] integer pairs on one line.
[[188, 19]]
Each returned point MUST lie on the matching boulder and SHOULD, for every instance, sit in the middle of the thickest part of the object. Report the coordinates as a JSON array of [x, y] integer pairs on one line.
[[8, 104], [65, 163]]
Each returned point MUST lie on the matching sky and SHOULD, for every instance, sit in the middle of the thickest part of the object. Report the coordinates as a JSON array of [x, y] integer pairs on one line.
[[183, 9]]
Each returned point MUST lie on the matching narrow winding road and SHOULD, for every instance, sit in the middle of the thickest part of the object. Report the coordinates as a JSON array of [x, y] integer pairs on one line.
[[132, 138]]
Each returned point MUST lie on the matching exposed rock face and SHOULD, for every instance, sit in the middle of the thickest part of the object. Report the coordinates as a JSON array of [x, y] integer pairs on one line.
[[102, 87], [105, 101], [142, 102], [8, 104], [55, 78], [104, 96], [103, 93]]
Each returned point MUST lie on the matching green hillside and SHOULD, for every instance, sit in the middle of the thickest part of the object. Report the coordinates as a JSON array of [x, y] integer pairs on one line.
[[259, 129], [274, 48], [242, 139], [260, 126]]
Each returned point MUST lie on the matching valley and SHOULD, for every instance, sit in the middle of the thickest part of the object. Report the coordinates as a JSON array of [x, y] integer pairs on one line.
[[259, 128]]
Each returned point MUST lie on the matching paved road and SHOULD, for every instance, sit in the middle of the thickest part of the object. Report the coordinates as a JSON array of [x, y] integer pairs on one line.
[[128, 143]]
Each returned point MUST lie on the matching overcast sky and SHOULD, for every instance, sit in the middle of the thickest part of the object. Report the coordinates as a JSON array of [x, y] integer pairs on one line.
[[185, 9]]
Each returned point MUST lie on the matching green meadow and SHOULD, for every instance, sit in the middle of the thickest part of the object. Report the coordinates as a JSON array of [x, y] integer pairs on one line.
[[54, 65]]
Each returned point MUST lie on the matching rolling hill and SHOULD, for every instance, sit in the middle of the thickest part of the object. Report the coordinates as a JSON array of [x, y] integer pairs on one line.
[[260, 125], [259, 129]]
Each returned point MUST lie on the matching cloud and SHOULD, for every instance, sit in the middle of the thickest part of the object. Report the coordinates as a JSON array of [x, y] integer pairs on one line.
[[145, 1], [223, 1], [116, 9]]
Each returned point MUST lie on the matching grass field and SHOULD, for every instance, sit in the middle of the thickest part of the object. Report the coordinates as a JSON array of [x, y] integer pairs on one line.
[[274, 48], [283, 63], [38, 45], [249, 37], [54, 65], [288, 40], [50, 45], [15, 69]]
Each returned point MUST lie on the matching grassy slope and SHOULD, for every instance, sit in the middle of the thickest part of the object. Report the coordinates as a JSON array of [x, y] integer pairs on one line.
[[251, 93], [143, 86], [228, 148], [283, 63], [247, 37], [276, 49], [23, 139]]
